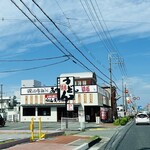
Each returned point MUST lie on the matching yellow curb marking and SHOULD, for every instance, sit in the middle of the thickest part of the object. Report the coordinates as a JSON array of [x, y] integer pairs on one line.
[[98, 129]]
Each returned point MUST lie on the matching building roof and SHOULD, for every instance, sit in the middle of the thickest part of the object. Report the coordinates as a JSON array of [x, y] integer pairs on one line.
[[79, 75]]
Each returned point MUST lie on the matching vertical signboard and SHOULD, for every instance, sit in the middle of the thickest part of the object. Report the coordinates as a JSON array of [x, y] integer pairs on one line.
[[70, 107], [66, 88]]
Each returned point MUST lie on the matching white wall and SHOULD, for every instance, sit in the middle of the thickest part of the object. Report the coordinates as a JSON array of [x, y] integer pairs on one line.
[[51, 118]]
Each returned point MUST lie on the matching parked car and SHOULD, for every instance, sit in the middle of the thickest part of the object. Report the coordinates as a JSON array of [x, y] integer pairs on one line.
[[142, 118], [2, 121]]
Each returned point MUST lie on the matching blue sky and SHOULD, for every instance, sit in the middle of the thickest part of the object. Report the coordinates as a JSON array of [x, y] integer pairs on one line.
[[124, 24]]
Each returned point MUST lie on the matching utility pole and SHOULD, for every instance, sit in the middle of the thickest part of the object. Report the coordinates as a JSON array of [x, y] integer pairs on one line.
[[123, 96], [1, 98], [125, 91], [110, 71]]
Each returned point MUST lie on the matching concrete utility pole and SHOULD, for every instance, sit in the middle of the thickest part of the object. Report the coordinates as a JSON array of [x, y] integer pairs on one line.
[[1, 98], [123, 95], [125, 89], [114, 56], [110, 71], [111, 99]]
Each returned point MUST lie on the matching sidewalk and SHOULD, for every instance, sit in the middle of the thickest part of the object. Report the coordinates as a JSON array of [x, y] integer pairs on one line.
[[58, 143], [72, 139]]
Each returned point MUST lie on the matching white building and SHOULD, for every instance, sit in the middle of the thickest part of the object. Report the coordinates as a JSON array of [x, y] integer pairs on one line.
[[30, 83], [84, 99], [9, 108], [121, 111]]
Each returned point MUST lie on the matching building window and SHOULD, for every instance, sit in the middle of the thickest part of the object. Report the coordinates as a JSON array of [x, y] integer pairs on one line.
[[75, 82], [84, 82], [28, 111], [79, 98], [31, 99], [44, 111], [26, 99], [36, 99], [41, 99], [79, 82]]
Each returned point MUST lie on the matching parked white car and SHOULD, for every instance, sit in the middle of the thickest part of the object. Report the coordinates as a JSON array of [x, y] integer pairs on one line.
[[142, 118]]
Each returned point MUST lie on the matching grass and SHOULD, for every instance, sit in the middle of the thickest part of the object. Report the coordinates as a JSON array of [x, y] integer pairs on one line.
[[7, 141], [94, 137]]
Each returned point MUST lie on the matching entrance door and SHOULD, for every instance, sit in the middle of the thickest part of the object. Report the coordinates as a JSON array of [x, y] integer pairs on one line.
[[91, 112], [70, 114], [60, 113]]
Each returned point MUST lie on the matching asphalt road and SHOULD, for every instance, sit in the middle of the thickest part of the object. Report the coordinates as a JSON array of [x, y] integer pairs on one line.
[[137, 137]]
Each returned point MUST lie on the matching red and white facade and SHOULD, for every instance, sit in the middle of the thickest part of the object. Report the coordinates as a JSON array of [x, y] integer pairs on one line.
[[85, 99]]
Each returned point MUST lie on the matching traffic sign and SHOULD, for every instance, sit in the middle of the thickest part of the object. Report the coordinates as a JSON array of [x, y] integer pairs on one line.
[[140, 107]]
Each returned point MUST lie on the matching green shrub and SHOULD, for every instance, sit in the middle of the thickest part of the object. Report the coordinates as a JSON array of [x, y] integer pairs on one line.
[[117, 122], [122, 121], [95, 137]]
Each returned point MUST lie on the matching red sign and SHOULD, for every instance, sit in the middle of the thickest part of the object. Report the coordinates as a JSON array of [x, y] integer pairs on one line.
[[70, 107], [63, 87], [51, 98], [85, 89], [48, 96]]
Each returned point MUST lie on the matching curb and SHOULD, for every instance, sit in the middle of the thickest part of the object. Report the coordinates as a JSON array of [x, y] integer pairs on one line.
[[27, 140], [86, 146]]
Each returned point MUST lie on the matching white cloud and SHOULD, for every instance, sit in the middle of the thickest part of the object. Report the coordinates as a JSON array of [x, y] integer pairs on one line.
[[117, 10]]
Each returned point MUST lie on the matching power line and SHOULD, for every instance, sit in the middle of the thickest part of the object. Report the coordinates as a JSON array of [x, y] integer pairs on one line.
[[108, 42], [33, 68], [35, 59], [95, 27], [3, 19], [68, 38], [38, 28], [108, 20], [51, 40], [71, 29], [54, 37], [106, 34], [44, 20]]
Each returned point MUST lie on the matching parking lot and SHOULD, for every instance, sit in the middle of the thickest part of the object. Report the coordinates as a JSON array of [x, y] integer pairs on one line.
[[26, 125], [18, 130]]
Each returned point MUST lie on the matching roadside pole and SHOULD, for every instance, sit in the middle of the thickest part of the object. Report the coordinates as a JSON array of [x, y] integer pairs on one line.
[[32, 129]]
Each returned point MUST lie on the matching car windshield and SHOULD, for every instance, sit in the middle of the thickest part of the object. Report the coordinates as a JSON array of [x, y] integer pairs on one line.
[[142, 116]]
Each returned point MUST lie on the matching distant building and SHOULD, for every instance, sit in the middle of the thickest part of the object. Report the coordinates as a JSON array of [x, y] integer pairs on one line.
[[113, 100], [121, 111], [30, 83], [8, 105]]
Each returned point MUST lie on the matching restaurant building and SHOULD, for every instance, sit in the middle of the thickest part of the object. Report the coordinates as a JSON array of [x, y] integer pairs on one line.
[[76, 95]]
